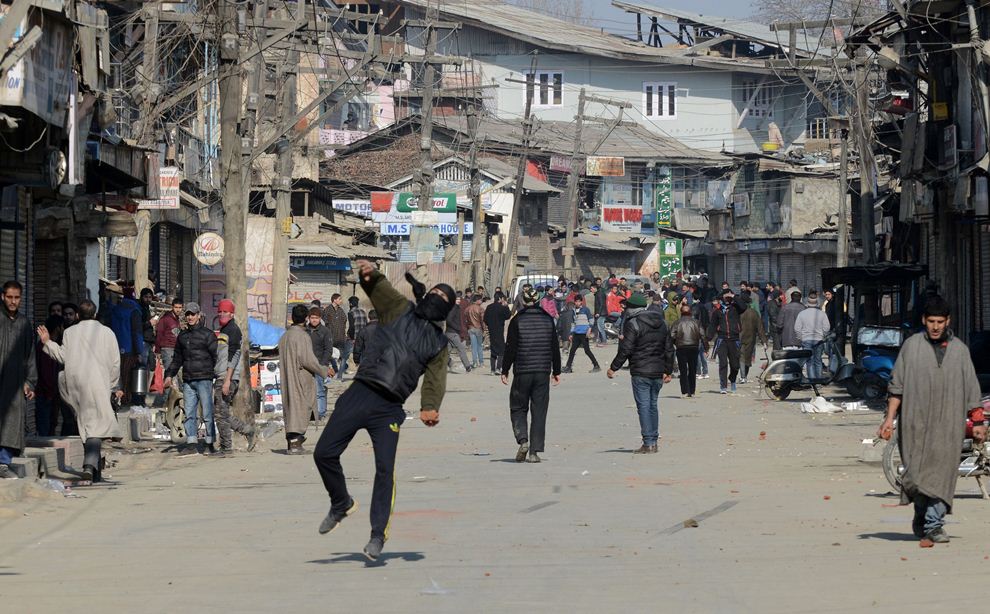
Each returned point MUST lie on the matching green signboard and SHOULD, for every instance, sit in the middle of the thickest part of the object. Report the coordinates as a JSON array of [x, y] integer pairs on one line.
[[441, 203], [670, 257], [663, 195]]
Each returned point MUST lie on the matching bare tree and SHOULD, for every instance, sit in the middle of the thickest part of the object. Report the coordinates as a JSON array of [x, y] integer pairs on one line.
[[768, 11], [574, 11]]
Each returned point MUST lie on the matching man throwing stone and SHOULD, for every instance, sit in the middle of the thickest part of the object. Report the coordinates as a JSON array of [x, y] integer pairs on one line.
[[933, 388], [407, 343], [533, 355]]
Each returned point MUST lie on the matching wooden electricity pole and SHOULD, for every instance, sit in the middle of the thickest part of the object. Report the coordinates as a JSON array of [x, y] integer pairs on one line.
[[510, 252], [235, 205], [283, 189], [148, 79], [479, 244]]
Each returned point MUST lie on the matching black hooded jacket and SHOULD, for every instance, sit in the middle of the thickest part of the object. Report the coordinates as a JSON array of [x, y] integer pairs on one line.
[[647, 345], [725, 322]]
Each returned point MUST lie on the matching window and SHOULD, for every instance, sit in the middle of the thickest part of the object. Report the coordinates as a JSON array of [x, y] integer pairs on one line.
[[660, 100], [760, 105], [549, 88]]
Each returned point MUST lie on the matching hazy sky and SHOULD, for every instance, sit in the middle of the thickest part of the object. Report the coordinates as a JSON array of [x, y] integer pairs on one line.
[[620, 22]]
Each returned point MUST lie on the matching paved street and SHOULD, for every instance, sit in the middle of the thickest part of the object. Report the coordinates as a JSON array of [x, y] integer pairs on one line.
[[793, 522]]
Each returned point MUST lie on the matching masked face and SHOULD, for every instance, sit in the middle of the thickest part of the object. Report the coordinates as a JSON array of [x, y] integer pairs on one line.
[[225, 317], [434, 306]]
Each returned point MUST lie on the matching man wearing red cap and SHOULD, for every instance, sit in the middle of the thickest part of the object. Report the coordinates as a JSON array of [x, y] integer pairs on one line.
[[228, 376]]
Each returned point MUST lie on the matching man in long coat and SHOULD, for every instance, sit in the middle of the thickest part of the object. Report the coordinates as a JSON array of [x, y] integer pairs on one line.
[[934, 387], [18, 375], [750, 327], [298, 364], [92, 372]]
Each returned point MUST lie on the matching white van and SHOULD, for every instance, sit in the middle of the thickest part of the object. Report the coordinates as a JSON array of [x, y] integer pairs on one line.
[[534, 280]]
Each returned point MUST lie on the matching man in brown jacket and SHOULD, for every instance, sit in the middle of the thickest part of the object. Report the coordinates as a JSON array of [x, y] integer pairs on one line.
[[475, 315]]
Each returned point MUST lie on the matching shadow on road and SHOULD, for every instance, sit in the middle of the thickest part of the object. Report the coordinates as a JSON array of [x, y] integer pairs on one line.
[[891, 537], [355, 557], [617, 451]]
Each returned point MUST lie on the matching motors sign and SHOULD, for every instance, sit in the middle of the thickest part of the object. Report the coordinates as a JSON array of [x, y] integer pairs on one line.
[[209, 248]]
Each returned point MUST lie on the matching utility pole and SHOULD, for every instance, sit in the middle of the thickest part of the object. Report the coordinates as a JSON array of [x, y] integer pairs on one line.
[[510, 252], [148, 78], [864, 134], [479, 244], [842, 247], [283, 189], [234, 194], [572, 188]]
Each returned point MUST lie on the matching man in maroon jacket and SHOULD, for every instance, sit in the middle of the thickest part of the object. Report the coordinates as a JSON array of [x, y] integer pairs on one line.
[[166, 332]]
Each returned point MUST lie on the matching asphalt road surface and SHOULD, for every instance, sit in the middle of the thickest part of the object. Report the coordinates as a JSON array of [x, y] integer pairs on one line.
[[790, 521]]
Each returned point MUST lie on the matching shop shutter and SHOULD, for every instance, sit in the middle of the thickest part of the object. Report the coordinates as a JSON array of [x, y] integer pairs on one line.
[[308, 286], [813, 265], [984, 295], [736, 269], [759, 269], [791, 266]]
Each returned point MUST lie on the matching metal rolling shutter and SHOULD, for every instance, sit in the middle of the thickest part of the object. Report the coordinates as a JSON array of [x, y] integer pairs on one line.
[[736, 269], [791, 266], [984, 277], [813, 265], [759, 269], [308, 286]]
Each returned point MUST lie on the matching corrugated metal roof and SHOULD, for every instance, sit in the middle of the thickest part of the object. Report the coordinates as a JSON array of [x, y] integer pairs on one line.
[[551, 33], [598, 243], [338, 251], [736, 27], [689, 220], [636, 142]]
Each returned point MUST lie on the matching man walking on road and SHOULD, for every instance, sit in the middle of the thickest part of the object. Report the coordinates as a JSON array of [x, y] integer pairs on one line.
[[230, 364], [532, 354], [773, 317], [725, 330], [687, 335], [496, 315], [788, 316], [323, 350], [647, 345], [476, 323], [407, 343], [934, 387], [335, 318], [811, 327], [92, 373], [298, 365], [196, 356], [600, 312], [454, 338], [18, 375], [751, 328], [580, 329]]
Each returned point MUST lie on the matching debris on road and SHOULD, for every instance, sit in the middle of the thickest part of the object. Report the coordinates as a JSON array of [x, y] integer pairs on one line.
[[926, 543], [690, 523], [435, 589]]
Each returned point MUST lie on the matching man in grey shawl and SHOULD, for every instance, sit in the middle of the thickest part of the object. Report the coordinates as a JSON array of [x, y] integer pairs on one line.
[[934, 387], [92, 372], [18, 375]]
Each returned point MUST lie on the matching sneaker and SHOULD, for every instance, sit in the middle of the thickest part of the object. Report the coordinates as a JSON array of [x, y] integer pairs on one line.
[[6, 473], [567, 370], [705, 376], [654, 449], [533, 458], [742, 380], [939, 536], [723, 391], [468, 369], [697, 377], [374, 548], [643, 449], [523, 451], [211, 450], [331, 522], [733, 387], [295, 447], [190, 449], [596, 370]]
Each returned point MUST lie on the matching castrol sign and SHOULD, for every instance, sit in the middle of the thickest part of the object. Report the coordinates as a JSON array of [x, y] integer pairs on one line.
[[209, 248]]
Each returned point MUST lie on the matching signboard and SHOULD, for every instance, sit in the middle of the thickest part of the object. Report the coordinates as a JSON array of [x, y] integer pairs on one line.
[[670, 257], [663, 197], [208, 248], [399, 207], [606, 166], [559, 163], [356, 207], [319, 263], [169, 182], [39, 82], [444, 228], [622, 218]]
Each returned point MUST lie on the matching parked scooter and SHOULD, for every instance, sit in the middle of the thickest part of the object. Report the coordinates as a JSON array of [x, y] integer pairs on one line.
[[974, 459], [785, 372], [612, 330]]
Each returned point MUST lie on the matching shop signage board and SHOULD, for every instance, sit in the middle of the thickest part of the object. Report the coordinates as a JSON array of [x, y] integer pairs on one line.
[[444, 228], [606, 166], [663, 194], [208, 248], [402, 207]]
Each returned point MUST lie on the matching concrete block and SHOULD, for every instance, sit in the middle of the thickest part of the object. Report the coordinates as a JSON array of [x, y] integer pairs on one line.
[[139, 425], [71, 457], [47, 459], [25, 467]]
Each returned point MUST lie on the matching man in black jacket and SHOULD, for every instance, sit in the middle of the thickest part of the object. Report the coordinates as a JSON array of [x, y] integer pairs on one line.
[[725, 329], [323, 349], [599, 312], [196, 355], [532, 353], [647, 345], [407, 343]]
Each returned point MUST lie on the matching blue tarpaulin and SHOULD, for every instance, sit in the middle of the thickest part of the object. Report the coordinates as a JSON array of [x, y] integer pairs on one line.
[[264, 335]]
